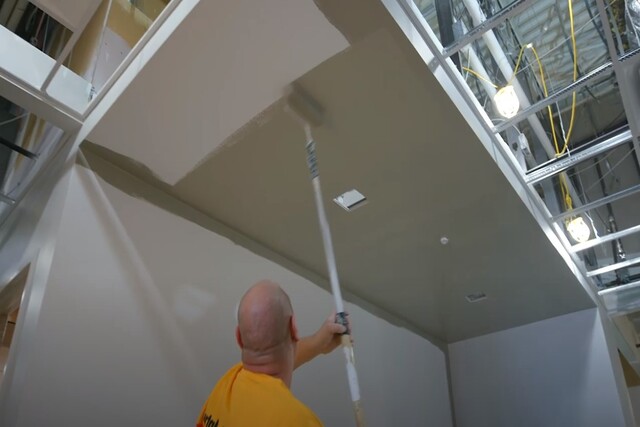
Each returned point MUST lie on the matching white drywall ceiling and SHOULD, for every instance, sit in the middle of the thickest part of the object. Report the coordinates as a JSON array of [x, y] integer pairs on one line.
[[228, 61], [392, 133]]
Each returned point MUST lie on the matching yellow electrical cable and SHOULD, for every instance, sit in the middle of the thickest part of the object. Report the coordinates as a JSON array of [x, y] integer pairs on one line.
[[481, 77], [515, 70], [575, 77], [513, 76], [568, 201], [546, 94], [566, 196], [563, 184], [564, 189]]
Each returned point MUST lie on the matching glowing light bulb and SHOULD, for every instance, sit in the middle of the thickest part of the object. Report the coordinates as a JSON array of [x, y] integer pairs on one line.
[[507, 102], [578, 229]]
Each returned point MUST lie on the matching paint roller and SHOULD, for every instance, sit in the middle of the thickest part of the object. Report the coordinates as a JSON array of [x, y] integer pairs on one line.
[[308, 112]]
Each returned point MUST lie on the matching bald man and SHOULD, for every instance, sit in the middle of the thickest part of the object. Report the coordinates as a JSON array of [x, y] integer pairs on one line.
[[256, 392]]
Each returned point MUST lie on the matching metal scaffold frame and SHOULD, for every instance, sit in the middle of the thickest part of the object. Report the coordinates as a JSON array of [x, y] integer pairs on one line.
[[439, 59]]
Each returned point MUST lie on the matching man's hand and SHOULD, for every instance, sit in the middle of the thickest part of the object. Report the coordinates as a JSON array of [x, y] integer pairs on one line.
[[327, 338], [324, 341]]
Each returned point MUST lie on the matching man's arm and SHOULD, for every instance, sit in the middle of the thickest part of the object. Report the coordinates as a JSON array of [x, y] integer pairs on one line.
[[324, 341]]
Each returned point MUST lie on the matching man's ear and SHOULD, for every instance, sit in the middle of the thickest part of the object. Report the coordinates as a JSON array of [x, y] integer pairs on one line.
[[293, 328], [239, 337]]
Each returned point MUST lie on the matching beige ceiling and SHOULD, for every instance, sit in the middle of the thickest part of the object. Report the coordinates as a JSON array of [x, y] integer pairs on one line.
[[228, 61], [393, 134]]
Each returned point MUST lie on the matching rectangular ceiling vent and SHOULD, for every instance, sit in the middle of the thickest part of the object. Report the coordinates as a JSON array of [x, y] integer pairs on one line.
[[351, 200], [476, 296]]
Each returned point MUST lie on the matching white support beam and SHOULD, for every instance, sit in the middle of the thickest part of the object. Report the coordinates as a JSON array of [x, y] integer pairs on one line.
[[567, 161], [604, 239], [614, 267], [32, 100], [78, 28], [600, 202], [621, 300]]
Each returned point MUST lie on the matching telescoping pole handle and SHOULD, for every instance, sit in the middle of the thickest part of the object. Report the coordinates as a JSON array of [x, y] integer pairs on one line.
[[341, 317]]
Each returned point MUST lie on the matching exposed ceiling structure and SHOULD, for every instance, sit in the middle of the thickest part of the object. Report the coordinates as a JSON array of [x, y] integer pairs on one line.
[[50, 51], [392, 132], [557, 82], [541, 50]]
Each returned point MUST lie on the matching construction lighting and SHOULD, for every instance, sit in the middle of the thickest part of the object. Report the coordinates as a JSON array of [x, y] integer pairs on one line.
[[578, 229], [507, 102]]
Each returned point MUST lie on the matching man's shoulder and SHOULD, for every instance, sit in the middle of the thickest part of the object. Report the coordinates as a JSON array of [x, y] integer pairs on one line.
[[288, 408], [268, 397], [299, 414]]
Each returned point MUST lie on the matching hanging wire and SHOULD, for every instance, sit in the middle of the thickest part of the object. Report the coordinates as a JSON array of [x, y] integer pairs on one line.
[[587, 200], [515, 70], [543, 80], [610, 171], [481, 77], [14, 119], [592, 165], [46, 31], [562, 42], [575, 77]]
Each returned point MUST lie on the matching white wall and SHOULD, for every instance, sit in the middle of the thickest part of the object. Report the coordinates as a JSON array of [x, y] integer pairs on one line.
[[28, 237], [634, 397], [556, 372], [137, 324]]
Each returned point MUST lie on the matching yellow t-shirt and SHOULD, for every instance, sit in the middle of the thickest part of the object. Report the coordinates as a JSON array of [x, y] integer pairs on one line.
[[247, 399]]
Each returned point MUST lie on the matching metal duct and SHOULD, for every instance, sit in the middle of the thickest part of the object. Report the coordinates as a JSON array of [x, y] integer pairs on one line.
[[632, 12]]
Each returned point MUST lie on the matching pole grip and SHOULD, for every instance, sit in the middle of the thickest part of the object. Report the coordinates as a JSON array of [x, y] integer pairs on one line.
[[341, 319]]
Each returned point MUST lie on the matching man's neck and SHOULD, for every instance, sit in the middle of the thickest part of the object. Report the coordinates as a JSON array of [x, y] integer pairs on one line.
[[269, 365]]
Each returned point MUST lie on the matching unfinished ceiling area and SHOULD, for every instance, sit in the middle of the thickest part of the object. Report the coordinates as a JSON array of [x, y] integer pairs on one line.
[[557, 82], [392, 133]]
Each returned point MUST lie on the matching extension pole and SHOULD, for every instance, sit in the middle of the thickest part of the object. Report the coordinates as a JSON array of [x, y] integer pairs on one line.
[[341, 316]]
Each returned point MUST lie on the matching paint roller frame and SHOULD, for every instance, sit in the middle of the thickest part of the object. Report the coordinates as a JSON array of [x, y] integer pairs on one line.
[[308, 112], [303, 107]]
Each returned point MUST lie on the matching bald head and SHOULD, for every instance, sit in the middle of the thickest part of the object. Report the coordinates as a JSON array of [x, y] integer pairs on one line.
[[264, 318]]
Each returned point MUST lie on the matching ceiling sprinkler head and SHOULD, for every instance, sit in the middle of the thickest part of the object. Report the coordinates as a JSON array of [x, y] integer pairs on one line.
[[444, 240]]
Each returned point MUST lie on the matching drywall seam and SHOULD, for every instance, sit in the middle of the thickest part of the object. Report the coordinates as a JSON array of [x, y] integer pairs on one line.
[[158, 195], [452, 404], [256, 122]]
